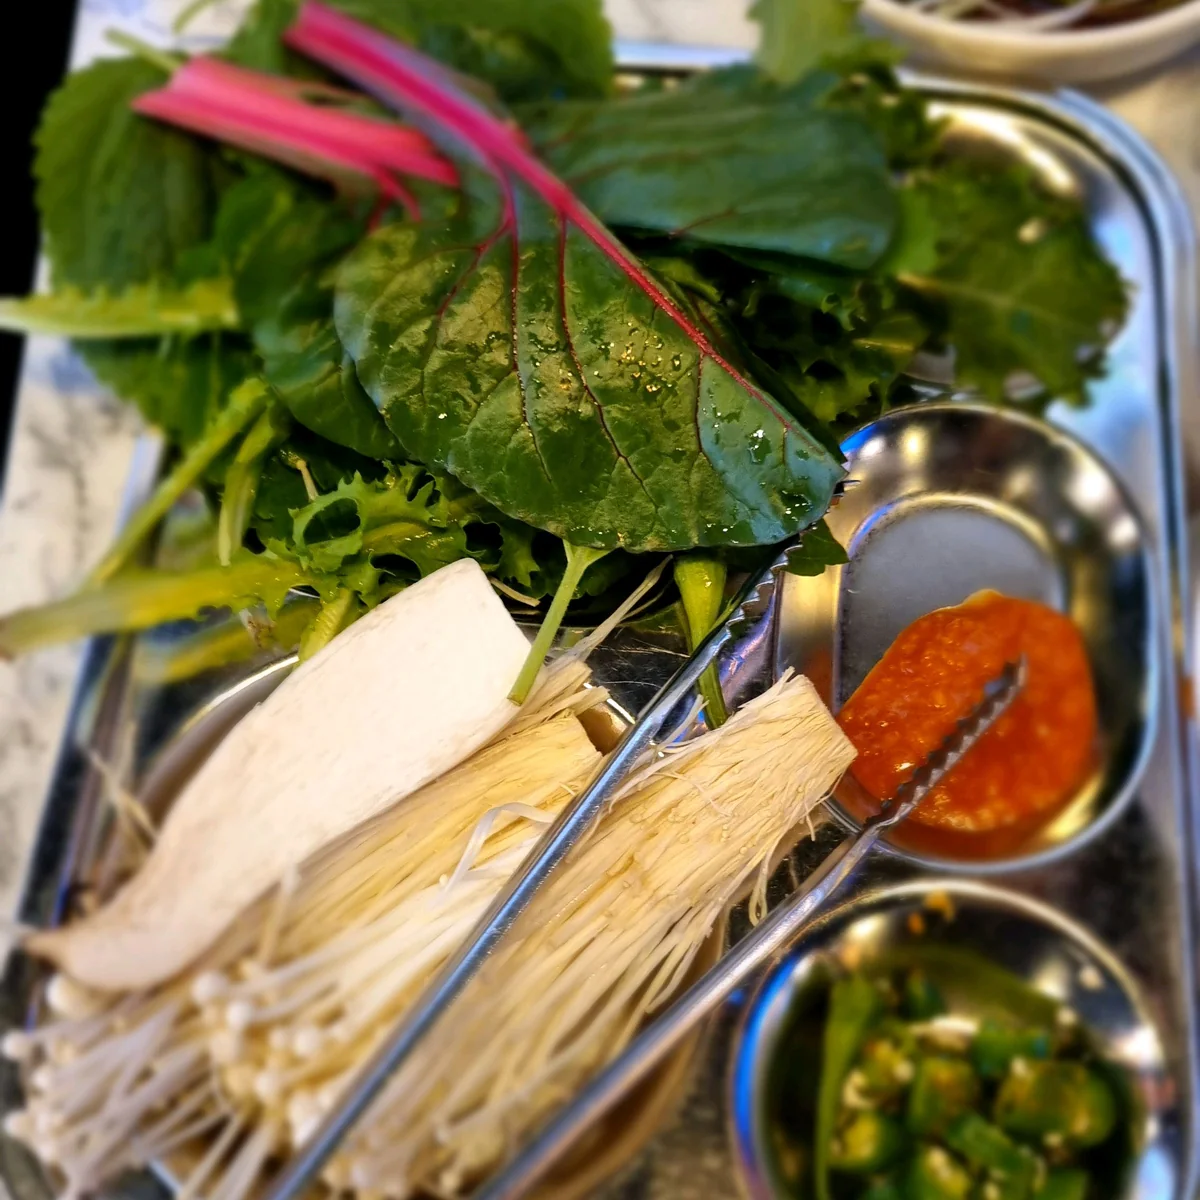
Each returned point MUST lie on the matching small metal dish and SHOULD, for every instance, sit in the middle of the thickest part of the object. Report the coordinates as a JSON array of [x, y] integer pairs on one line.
[[948, 499], [1050, 953]]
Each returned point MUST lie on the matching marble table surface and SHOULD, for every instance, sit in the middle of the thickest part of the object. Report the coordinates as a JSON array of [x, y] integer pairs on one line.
[[72, 445]]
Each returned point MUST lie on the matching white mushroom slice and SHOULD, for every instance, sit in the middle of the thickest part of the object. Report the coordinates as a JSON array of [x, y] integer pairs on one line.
[[403, 695]]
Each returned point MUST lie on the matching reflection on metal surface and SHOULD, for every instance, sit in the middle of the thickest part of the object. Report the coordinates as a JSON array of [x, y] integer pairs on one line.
[[1051, 953], [997, 129]]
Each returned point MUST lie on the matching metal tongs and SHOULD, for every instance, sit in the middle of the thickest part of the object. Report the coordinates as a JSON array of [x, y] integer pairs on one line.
[[671, 1026], [755, 950]]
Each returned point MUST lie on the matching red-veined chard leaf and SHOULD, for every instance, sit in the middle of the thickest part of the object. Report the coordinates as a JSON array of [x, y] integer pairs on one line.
[[521, 347], [748, 167]]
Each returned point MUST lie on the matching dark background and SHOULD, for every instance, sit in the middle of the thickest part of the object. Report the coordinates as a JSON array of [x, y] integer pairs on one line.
[[31, 63]]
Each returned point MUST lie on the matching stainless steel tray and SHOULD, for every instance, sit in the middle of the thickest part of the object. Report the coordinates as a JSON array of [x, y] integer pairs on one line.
[[1135, 886]]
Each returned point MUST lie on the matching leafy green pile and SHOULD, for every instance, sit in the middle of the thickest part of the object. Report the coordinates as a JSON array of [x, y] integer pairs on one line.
[[555, 381]]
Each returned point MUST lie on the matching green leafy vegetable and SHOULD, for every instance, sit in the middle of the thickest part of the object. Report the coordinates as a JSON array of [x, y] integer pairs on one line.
[[139, 600], [798, 34], [341, 610], [700, 579], [122, 200], [523, 349], [179, 385], [140, 310], [242, 478], [272, 231], [579, 558], [244, 406], [304, 467], [305, 126], [281, 240], [1020, 287], [411, 514], [315, 377], [519, 358], [526, 49], [861, 79], [224, 643], [776, 246], [743, 167]]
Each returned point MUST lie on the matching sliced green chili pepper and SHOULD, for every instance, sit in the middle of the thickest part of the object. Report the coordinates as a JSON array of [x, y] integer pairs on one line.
[[942, 1090], [1064, 1185], [1010, 1168], [886, 1068], [935, 1174], [1062, 1102], [886, 1188], [869, 1143], [996, 1045], [922, 1000]]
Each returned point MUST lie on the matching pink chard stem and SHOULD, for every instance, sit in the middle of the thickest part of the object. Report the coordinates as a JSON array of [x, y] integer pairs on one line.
[[268, 115]]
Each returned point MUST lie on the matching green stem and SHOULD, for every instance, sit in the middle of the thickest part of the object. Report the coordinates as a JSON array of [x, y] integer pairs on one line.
[[854, 1003], [334, 616], [242, 479], [138, 312], [225, 644], [189, 14], [244, 406], [147, 53], [138, 601], [386, 537], [701, 582], [579, 558]]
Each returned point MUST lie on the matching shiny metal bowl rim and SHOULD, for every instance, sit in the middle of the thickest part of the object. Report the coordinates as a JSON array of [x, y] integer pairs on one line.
[[1124, 796], [754, 1034]]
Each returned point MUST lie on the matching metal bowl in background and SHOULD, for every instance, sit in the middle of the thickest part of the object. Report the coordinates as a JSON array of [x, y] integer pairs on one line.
[[1014, 50], [949, 499], [1034, 942]]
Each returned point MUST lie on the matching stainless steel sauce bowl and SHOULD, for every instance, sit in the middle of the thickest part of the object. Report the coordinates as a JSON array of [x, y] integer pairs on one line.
[[1048, 951], [949, 499]]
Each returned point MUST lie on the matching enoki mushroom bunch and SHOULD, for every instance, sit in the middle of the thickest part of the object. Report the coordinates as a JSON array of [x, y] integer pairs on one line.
[[230, 1065]]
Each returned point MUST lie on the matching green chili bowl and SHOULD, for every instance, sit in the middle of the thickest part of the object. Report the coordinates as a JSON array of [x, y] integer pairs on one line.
[[990, 952]]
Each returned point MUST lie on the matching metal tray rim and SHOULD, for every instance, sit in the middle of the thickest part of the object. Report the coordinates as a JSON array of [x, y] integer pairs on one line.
[[1169, 222]]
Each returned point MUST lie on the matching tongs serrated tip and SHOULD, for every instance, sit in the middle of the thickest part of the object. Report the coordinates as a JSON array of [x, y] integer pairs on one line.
[[998, 696]]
